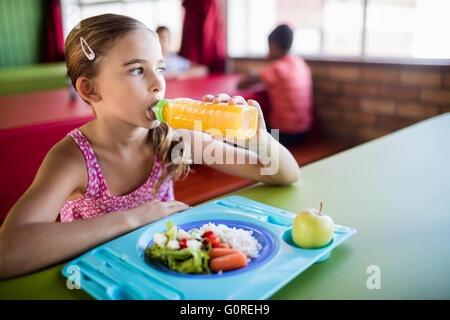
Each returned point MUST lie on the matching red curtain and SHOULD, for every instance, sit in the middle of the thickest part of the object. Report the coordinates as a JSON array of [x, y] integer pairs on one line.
[[203, 39], [53, 32]]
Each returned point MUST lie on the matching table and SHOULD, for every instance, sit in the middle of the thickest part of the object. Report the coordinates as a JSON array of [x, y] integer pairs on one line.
[[394, 190]]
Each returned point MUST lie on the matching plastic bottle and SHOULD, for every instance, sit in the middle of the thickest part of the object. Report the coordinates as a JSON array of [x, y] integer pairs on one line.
[[234, 121]]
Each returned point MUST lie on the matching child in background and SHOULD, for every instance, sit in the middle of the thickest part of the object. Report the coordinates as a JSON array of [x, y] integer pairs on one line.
[[289, 85], [177, 66], [115, 174]]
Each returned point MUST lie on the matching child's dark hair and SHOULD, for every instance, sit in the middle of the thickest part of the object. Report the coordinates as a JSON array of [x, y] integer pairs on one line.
[[283, 36], [162, 28], [101, 33]]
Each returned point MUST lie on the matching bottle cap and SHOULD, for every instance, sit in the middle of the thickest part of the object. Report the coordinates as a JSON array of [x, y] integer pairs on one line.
[[158, 110]]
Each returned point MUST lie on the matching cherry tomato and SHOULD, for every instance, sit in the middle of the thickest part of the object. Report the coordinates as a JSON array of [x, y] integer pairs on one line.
[[206, 234], [183, 243], [214, 240]]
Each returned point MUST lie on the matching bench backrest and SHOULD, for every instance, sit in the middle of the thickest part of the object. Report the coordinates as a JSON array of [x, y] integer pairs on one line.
[[23, 150]]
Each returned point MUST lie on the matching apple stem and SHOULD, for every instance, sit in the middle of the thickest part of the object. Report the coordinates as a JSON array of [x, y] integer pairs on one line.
[[320, 211]]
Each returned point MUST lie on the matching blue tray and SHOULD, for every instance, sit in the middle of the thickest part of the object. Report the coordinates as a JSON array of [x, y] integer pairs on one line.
[[117, 270]]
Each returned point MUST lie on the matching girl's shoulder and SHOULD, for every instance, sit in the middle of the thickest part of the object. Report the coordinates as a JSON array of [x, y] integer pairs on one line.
[[67, 158], [68, 149]]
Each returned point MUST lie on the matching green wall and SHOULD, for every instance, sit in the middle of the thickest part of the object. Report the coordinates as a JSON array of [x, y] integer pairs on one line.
[[21, 32]]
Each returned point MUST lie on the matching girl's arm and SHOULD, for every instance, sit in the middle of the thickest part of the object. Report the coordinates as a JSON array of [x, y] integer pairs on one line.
[[261, 158], [274, 165], [31, 239]]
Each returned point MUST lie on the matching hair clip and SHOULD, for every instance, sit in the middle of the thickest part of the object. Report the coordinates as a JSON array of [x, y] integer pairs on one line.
[[91, 54]]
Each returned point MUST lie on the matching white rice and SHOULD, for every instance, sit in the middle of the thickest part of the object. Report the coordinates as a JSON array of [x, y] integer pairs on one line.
[[238, 239]]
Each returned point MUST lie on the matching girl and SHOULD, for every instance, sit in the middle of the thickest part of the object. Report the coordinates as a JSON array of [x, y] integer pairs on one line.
[[115, 174]]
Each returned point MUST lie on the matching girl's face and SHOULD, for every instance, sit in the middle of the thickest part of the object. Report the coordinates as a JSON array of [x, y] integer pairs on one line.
[[130, 80], [275, 51]]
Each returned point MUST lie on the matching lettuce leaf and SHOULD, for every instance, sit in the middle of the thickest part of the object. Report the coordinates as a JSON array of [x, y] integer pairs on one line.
[[187, 260], [171, 232]]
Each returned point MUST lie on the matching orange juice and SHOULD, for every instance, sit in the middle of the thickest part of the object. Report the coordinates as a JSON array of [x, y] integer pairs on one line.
[[230, 120]]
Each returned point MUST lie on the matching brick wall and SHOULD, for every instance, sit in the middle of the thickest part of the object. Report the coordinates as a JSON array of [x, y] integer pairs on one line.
[[357, 102]]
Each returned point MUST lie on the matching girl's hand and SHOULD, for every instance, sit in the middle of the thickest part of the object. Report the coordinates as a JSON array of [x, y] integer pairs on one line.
[[155, 210], [261, 128]]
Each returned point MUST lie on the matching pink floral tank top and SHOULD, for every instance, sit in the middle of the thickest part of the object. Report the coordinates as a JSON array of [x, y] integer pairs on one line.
[[97, 199]]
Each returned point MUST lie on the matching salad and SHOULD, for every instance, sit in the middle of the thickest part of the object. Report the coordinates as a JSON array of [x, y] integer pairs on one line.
[[194, 251]]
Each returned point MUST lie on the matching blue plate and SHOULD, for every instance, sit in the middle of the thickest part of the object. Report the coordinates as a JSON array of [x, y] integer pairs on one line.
[[268, 241]]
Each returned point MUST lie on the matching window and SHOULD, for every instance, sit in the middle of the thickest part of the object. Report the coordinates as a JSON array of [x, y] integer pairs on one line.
[[364, 28], [151, 12]]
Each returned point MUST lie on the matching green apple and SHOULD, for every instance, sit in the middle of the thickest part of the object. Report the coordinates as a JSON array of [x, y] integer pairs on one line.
[[312, 229]]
